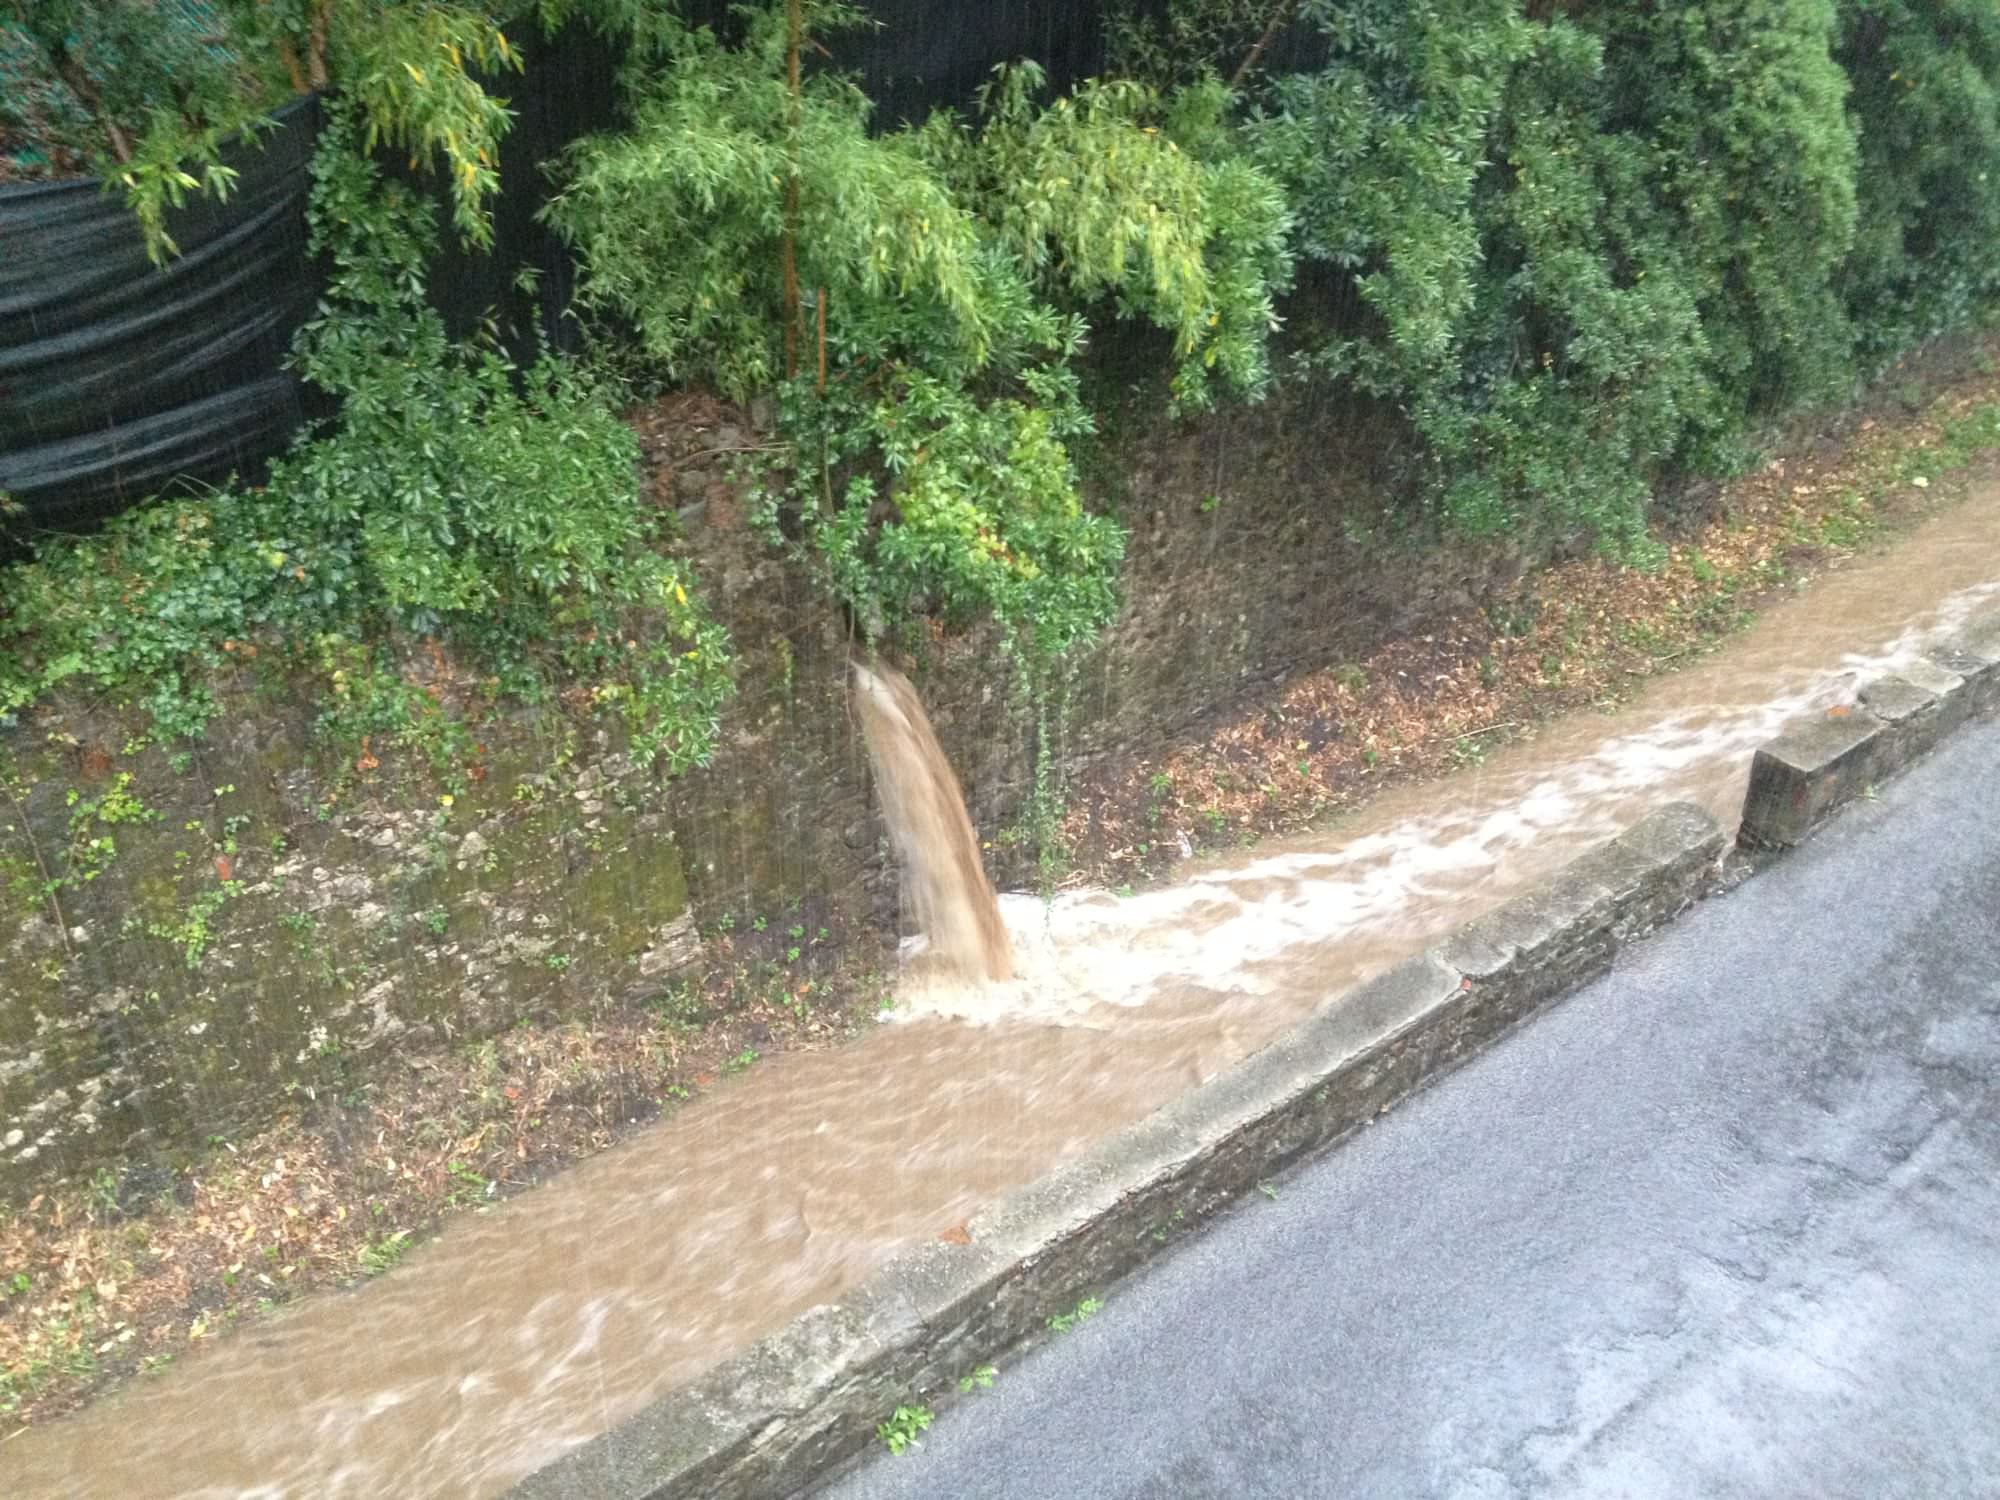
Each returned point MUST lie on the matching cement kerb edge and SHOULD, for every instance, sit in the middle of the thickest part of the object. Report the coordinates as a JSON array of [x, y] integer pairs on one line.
[[800, 1403], [1817, 766]]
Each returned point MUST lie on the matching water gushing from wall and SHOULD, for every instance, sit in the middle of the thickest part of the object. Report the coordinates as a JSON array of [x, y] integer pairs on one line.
[[943, 879], [530, 1329]]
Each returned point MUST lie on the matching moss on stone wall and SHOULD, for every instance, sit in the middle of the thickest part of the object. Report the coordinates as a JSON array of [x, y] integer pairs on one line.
[[260, 934], [301, 912]]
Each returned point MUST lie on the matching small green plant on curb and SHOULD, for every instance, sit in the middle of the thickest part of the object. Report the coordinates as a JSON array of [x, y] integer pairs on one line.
[[1083, 1312], [1268, 1191], [980, 1379], [901, 1430], [470, 1186], [380, 1255]]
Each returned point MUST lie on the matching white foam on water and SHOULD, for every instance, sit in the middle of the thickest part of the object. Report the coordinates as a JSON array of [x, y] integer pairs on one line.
[[1083, 951]]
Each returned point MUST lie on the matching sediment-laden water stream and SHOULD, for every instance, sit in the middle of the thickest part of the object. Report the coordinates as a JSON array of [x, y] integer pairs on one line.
[[529, 1329]]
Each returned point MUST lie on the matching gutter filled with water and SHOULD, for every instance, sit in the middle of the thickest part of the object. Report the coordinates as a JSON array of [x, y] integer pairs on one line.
[[528, 1330]]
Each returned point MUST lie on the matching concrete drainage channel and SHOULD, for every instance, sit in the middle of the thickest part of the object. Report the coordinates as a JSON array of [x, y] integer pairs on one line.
[[787, 1412]]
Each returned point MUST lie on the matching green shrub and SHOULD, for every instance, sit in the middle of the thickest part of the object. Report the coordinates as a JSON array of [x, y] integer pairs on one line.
[[1924, 99], [1751, 162], [987, 518], [948, 268], [1117, 194], [1587, 247], [682, 219], [456, 497]]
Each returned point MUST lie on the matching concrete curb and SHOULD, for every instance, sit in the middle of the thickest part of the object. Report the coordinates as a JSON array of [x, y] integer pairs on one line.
[[785, 1413], [1804, 776]]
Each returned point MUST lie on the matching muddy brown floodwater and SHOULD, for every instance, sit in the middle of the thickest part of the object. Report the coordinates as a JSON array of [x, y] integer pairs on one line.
[[527, 1330], [944, 884]]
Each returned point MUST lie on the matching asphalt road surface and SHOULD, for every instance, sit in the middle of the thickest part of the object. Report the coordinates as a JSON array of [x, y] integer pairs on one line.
[[1726, 1223]]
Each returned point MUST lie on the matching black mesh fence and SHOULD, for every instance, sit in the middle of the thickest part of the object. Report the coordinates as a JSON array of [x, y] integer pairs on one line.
[[119, 379]]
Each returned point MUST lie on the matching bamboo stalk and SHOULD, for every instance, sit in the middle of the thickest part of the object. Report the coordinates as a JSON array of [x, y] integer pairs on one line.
[[48, 880], [1270, 33], [294, 69], [795, 21], [316, 44]]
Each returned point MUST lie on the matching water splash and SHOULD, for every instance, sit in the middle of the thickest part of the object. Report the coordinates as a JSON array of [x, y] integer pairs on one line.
[[943, 878], [531, 1329], [1250, 925]]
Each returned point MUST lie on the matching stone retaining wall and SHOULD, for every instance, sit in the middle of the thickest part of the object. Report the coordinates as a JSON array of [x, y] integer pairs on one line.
[[285, 918]]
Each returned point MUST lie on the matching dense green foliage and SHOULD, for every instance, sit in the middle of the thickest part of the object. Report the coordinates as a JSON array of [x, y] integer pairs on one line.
[[1590, 248], [1117, 192], [1587, 247], [1924, 100], [149, 94], [457, 498], [1583, 249], [946, 268], [713, 143]]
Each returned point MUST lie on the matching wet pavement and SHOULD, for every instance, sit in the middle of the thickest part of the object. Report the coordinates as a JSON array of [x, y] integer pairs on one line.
[[1726, 1223]]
